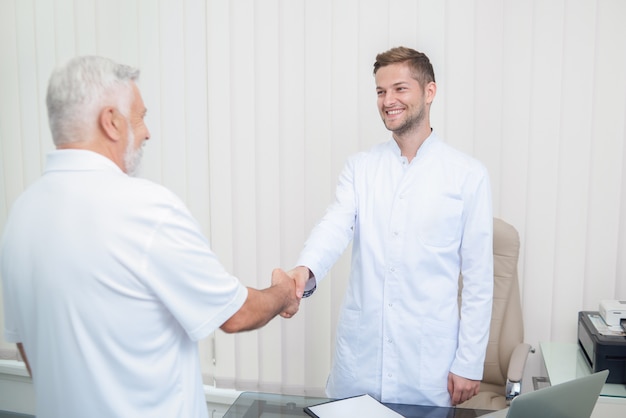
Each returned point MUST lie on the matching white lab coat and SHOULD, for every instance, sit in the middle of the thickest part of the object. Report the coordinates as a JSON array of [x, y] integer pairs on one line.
[[415, 228]]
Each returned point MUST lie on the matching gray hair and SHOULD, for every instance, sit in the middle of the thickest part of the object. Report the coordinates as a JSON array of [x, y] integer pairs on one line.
[[78, 91]]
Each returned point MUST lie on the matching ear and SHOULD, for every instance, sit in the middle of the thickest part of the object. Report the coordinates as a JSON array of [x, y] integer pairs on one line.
[[431, 91], [111, 122]]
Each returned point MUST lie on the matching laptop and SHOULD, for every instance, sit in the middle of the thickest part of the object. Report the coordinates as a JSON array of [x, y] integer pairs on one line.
[[573, 399]]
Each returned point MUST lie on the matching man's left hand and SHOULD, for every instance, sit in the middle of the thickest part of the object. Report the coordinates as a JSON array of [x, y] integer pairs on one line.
[[461, 389]]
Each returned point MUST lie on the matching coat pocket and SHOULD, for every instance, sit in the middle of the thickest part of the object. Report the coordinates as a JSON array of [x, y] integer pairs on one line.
[[347, 343], [438, 348]]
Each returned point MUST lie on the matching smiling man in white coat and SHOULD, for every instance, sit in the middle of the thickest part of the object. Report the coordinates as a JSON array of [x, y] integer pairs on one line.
[[419, 213]]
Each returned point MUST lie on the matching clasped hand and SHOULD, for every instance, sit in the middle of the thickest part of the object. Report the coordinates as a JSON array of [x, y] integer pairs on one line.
[[296, 278], [291, 302]]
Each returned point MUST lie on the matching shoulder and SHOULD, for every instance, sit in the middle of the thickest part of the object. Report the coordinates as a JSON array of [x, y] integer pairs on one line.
[[457, 158], [374, 154], [146, 192]]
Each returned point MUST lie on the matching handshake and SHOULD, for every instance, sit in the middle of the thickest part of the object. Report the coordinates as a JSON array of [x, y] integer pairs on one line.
[[281, 298], [290, 286]]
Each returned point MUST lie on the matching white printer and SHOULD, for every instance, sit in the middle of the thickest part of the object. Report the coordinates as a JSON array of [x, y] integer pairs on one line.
[[613, 312]]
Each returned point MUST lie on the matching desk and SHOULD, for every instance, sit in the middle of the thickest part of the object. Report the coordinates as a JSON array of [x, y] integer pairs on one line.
[[267, 405], [565, 361]]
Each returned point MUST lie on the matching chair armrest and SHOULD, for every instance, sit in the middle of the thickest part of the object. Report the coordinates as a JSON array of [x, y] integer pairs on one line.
[[518, 362], [516, 371]]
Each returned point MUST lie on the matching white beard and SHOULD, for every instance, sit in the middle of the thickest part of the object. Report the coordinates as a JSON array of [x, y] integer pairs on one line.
[[132, 156]]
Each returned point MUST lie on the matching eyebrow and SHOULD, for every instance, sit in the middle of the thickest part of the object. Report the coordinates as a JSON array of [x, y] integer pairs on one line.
[[399, 83]]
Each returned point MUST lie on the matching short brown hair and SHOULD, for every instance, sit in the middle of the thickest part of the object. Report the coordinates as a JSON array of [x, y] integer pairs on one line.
[[421, 68]]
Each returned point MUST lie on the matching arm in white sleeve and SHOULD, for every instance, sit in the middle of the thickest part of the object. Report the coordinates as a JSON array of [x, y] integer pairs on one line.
[[477, 272], [330, 237]]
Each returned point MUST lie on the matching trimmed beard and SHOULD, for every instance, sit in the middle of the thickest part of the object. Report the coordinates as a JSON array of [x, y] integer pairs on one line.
[[410, 124]]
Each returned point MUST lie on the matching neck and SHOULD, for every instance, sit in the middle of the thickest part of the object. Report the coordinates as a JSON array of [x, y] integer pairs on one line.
[[410, 142], [101, 146]]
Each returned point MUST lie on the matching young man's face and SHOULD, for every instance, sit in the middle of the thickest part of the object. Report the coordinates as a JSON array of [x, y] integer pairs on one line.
[[402, 103]]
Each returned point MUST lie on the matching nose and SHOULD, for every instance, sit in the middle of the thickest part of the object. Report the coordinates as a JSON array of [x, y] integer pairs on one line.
[[388, 99]]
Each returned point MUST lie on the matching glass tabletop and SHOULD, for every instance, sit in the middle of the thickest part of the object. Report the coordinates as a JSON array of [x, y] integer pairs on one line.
[[269, 405], [565, 361]]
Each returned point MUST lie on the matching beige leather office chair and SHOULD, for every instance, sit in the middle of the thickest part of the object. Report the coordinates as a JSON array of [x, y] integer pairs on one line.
[[506, 351]]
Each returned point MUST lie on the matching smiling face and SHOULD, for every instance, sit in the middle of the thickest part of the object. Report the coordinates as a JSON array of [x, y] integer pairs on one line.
[[403, 104]]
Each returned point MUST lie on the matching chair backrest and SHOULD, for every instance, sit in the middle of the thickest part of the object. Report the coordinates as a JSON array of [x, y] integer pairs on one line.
[[507, 328], [507, 325]]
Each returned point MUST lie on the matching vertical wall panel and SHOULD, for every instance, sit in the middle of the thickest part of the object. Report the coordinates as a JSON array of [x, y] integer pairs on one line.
[[291, 133], [620, 276], [573, 166], [431, 39], [402, 22], [196, 110], [487, 109], [516, 108], [64, 29], [113, 26], [373, 38], [345, 121], [28, 91], [318, 151], [10, 129], [245, 197], [294, 198], [149, 62], [46, 61], [543, 162], [607, 172], [220, 158], [107, 27], [10, 154], [459, 108], [272, 357], [195, 115], [173, 86], [89, 16]]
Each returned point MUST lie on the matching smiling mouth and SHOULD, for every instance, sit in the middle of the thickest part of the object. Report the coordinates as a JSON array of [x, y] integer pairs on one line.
[[394, 112]]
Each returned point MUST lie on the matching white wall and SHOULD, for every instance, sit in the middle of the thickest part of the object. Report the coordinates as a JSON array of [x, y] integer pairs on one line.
[[254, 106]]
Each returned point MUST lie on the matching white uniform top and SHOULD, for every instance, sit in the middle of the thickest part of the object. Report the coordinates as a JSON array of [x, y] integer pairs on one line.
[[415, 228], [108, 282]]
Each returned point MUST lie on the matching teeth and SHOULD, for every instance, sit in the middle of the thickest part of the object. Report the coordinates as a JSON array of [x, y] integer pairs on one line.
[[394, 112]]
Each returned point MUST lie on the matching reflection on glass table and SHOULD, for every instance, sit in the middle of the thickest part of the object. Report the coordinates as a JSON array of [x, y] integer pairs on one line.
[[268, 405], [565, 361]]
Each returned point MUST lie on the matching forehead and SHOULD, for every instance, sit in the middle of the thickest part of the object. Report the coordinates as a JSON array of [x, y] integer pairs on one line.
[[137, 101], [393, 74]]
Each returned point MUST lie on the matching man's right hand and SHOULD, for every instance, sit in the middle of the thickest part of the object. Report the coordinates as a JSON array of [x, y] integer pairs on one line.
[[263, 305], [301, 275], [291, 299]]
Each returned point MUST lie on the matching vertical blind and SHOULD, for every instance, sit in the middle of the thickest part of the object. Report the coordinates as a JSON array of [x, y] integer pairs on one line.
[[254, 107]]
